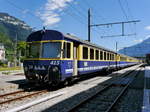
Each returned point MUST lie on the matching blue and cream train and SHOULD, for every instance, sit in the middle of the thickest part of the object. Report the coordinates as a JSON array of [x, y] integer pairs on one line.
[[53, 57]]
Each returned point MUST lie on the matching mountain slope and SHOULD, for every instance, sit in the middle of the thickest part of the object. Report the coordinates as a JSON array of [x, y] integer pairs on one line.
[[14, 27], [10, 29], [138, 50]]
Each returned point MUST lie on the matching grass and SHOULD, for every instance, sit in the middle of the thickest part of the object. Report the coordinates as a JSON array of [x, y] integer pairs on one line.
[[9, 68]]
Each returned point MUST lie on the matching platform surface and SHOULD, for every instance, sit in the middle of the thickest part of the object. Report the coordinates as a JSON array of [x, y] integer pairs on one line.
[[146, 96]]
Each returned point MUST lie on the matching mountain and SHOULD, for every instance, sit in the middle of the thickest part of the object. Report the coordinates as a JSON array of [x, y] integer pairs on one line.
[[13, 27], [138, 50]]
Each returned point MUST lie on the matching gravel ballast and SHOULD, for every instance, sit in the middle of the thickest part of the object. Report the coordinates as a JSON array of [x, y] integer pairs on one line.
[[73, 95]]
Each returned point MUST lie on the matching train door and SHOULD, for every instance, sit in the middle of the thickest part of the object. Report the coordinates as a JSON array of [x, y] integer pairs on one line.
[[75, 59]]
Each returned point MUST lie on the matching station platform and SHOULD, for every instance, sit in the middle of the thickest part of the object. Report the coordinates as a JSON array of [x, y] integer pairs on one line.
[[146, 96]]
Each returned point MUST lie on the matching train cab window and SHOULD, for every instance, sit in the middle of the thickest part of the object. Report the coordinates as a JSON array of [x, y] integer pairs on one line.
[[51, 50], [67, 50], [33, 50], [101, 55], [105, 56], [91, 53], [97, 55], [85, 53]]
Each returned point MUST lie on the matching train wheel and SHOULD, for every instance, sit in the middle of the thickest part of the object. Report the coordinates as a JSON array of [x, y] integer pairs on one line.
[[55, 83], [68, 82]]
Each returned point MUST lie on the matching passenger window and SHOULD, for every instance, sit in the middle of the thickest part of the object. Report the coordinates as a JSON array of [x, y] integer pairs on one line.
[[113, 56], [67, 50], [91, 53], [107, 56], [104, 55], [97, 55], [110, 56], [101, 55], [85, 53]]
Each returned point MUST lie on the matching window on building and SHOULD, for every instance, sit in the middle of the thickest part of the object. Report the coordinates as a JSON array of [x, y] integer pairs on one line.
[[85, 53], [97, 54], [91, 53]]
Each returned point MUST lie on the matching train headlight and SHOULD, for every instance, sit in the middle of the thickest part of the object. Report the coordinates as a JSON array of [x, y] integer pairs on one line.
[[55, 69]]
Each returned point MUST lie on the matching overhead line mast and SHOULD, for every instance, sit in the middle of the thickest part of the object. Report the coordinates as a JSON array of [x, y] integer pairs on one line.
[[89, 25], [107, 24]]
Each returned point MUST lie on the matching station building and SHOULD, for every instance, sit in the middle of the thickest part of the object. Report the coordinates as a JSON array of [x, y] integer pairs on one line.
[[2, 52]]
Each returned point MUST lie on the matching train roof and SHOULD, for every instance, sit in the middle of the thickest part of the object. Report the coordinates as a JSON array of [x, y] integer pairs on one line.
[[74, 38], [91, 44], [42, 35]]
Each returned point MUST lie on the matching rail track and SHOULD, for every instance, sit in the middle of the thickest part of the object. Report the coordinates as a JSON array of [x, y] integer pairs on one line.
[[19, 74], [18, 95], [105, 99]]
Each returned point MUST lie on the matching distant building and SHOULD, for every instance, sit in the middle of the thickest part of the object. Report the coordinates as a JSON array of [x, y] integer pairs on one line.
[[2, 52]]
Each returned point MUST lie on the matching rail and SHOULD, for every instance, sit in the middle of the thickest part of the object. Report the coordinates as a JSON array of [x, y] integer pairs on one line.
[[76, 107], [20, 97]]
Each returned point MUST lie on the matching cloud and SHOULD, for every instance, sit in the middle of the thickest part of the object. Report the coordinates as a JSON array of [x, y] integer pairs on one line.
[[138, 40], [141, 39], [25, 11], [51, 13], [147, 27]]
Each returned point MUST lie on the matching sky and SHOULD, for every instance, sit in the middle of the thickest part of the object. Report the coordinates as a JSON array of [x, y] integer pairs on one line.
[[70, 16]]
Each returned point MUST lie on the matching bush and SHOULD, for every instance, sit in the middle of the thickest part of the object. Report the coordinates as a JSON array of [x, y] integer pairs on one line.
[[22, 59], [2, 64]]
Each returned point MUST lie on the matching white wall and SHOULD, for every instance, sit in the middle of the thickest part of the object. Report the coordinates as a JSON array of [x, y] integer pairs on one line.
[[2, 54]]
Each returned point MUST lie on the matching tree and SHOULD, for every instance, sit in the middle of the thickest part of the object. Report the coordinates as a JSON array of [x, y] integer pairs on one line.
[[21, 50]]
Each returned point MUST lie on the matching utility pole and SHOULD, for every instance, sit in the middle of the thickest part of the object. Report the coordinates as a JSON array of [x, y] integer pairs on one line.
[[125, 50], [116, 53], [116, 46], [89, 25], [16, 50]]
